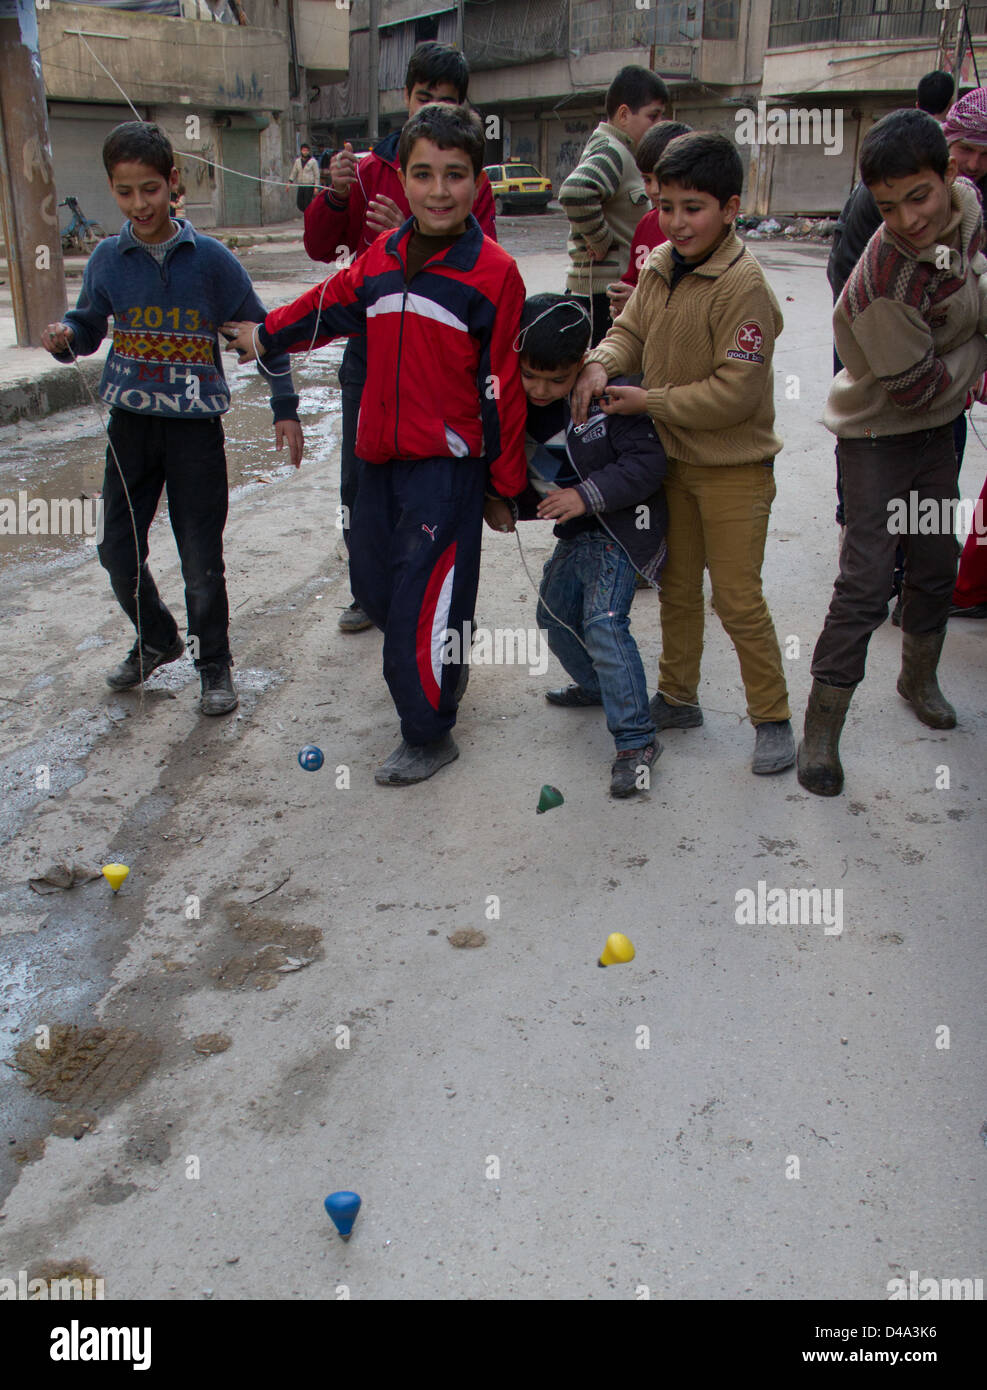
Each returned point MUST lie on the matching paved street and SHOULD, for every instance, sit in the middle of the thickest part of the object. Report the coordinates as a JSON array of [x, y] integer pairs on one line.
[[744, 1111]]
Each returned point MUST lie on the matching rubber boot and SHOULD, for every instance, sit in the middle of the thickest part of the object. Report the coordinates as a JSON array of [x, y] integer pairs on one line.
[[819, 767], [917, 682]]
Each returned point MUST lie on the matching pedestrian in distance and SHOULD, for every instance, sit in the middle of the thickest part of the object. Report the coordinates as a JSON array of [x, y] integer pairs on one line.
[[305, 174], [648, 233]]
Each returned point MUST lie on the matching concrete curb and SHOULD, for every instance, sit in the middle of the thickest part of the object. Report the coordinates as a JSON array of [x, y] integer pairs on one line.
[[58, 389]]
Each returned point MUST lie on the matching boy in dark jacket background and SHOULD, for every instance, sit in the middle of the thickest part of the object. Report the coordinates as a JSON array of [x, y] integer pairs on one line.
[[601, 482]]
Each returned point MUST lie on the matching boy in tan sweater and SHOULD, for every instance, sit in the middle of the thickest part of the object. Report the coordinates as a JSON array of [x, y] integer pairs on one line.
[[701, 327], [909, 329]]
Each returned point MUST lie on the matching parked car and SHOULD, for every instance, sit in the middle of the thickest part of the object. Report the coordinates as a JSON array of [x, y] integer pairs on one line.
[[518, 185]]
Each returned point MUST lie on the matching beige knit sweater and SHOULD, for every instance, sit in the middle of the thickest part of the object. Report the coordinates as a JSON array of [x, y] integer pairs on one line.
[[705, 351]]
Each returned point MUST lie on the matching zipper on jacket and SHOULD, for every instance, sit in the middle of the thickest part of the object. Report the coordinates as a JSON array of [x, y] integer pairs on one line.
[[397, 375]]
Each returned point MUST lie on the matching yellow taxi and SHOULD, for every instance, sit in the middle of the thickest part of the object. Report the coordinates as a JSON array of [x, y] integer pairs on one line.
[[518, 185]]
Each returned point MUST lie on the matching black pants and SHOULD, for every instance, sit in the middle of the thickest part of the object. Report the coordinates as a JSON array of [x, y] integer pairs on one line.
[[188, 458], [875, 472], [306, 192]]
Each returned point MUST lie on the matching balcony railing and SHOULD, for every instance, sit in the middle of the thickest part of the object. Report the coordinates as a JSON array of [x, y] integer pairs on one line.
[[798, 22]]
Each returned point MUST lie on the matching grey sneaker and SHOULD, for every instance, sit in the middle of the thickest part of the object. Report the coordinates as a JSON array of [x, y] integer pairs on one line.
[[353, 619], [669, 716], [416, 762], [774, 747], [218, 691], [625, 775], [140, 662]]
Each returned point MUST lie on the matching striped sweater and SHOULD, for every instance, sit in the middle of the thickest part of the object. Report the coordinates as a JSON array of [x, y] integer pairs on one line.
[[909, 329], [604, 200]]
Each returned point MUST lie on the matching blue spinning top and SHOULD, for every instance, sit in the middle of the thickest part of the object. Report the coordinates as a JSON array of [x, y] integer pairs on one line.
[[310, 758], [343, 1207]]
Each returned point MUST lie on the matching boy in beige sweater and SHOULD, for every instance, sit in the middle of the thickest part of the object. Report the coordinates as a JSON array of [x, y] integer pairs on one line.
[[701, 327], [909, 329]]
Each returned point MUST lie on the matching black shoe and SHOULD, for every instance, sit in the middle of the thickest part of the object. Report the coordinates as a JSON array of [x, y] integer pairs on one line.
[[218, 691], [140, 662], [353, 619], [626, 774], [976, 610], [415, 762], [774, 747], [668, 716], [572, 697]]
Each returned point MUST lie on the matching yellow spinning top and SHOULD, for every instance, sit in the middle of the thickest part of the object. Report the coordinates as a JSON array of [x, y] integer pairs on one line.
[[115, 874], [617, 951]]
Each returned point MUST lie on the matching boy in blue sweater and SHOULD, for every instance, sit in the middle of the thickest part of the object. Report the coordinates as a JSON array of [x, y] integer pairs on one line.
[[168, 289], [601, 482]]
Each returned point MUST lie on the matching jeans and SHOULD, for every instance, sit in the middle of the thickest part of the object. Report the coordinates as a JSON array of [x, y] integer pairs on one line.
[[187, 457], [875, 472], [589, 584]]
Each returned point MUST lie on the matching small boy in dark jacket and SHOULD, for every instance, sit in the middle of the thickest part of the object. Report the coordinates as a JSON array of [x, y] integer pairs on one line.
[[601, 482]]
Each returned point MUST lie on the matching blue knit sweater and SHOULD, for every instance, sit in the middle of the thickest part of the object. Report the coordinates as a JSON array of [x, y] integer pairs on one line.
[[165, 358]]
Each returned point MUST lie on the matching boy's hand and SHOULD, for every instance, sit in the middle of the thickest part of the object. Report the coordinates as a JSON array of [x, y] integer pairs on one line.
[[597, 253], [383, 214], [625, 400], [342, 171], [290, 432], [618, 293], [498, 515], [591, 381], [564, 505], [57, 337], [240, 336]]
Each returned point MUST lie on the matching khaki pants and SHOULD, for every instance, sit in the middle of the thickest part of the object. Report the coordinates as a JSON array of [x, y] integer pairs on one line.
[[718, 518]]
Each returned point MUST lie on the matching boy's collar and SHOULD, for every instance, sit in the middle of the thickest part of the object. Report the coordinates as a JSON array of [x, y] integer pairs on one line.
[[617, 134], [463, 253], [126, 241], [729, 249]]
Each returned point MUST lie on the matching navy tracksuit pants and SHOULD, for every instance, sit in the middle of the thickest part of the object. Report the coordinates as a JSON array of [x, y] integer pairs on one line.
[[414, 569]]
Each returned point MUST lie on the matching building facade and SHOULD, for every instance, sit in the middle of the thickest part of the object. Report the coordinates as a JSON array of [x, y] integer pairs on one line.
[[228, 85]]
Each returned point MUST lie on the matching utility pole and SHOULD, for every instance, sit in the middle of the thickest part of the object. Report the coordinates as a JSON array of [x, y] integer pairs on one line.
[[460, 41], [27, 181], [373, 64]]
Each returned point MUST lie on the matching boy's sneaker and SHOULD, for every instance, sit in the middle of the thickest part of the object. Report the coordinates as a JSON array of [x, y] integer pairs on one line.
[[353, 619], [141, 662], [625, 775], [416, 762], [572, 697], [975, 610], [218, 691], [774, 747], [668, 716]]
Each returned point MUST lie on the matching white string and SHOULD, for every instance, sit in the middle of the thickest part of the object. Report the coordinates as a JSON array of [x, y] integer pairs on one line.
[[518, 343], [311, 346], [535, 585]]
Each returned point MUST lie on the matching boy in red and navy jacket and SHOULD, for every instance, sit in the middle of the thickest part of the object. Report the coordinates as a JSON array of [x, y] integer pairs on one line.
[[366, 198], [441, 423]]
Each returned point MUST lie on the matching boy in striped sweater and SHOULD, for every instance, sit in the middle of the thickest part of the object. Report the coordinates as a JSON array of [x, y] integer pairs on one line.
[[604, 197], [909, 329]]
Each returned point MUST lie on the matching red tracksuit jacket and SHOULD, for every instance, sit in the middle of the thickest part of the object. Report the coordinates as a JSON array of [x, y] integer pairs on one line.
[[443, 379], [332, 223]]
